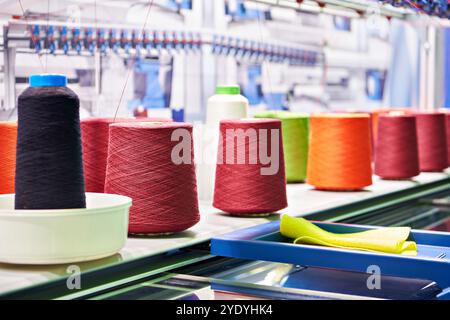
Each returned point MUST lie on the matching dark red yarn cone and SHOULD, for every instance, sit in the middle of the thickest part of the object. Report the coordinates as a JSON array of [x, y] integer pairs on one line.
[[95, 136], [432, 140], [447, 128], [397, 154], [140, 166], [242, 188]]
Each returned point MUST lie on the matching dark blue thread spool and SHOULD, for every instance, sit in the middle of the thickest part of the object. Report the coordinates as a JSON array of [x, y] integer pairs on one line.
[[49, 168]]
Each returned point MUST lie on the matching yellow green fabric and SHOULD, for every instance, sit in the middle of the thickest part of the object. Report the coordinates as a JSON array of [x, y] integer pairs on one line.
[[387, 240], [295, 132]]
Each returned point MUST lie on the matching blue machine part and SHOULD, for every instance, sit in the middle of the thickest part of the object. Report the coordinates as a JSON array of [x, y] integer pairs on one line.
[[136, 41], [171, 5], [176, 5], [186, 4], [126, 40], [375, 80], [159, 40], [178, 115], [114, 40], [239, 8], [76, 40], [35, 39], [149, 92], [50, 40], [168, 40], [90, 42], [447, 68], [240, 11], [215, 45], [264, 242], [148, 40], [342, 23], [178, 40], [63, 43], [101, 41], [253, 89], [276, 101]]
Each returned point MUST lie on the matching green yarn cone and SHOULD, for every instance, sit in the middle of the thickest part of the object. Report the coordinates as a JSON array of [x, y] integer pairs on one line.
[[295, 127]]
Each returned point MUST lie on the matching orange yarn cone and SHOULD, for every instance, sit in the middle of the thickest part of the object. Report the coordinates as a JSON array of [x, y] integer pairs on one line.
[[340, 152], [8, 140]]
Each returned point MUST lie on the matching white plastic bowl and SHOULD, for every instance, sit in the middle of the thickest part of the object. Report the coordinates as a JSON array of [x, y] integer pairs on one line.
[[63, 236]]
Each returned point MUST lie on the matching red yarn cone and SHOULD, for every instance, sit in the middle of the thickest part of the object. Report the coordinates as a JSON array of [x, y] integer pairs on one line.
[[141, 165], [397, 154], [431, 135], [250, 186], [95, 136], [447, 128]]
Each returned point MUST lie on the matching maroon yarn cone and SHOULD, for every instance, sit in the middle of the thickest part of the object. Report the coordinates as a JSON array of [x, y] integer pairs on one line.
[[397, 154], [447, 121], [240, 187], [144, 164], [95, 137], [432, 141]]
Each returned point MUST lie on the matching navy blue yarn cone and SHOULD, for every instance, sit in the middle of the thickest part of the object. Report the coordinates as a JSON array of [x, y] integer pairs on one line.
[[49, 168]]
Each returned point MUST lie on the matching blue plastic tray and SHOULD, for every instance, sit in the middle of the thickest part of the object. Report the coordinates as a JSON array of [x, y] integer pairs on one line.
[[264, 242]]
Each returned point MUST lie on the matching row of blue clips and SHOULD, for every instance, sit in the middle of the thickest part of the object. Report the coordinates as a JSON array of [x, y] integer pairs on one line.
[[105, 40], [81, 40], [256, 50]]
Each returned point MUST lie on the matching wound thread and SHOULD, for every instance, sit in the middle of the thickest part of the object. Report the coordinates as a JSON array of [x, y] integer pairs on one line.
[[49, 168], [95, 138], [8, 141], [397, 154], [447, 130], [340, 152], [245, 184], [141, 165], [295, 127], [432, 141]]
